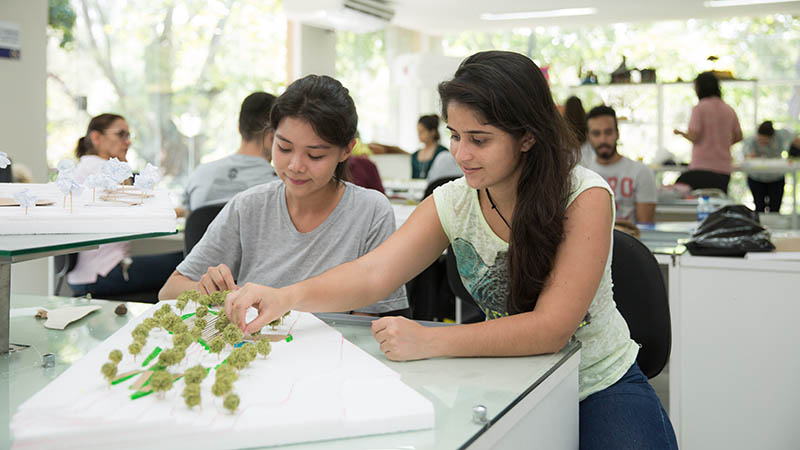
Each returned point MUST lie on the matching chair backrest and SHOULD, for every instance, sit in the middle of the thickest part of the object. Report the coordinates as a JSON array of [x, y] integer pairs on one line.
[[641, 298], [436, 183], [701, 179], [6, 175], [470, 312], [196, 225], [63, 264]]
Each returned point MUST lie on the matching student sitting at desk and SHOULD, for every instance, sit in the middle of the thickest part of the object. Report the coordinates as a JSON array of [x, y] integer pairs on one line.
[[110, 271], [633, 183], [768, 143], [428, 133], [532, 237], [305, 223], [216, 182]]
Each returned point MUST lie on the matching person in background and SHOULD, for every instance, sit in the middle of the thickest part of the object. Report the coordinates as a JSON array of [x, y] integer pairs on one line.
[[308, 220], [532, 235], [576, 118], [428, 133], [216, 182], [363, 172], [713, 128], [768, 143], [110, 270], [633, 183]]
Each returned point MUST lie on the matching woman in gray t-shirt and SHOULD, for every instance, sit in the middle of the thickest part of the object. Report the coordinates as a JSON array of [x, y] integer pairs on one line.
[[311, 220]]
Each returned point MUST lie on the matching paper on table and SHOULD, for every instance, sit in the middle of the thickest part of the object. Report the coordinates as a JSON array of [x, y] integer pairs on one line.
[[58, 319]]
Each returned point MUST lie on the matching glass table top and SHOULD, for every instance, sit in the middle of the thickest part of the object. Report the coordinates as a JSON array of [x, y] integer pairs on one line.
[[453, 385]]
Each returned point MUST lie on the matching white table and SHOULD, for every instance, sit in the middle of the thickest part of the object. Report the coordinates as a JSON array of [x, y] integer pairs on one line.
[[531, 402], [734, 367]]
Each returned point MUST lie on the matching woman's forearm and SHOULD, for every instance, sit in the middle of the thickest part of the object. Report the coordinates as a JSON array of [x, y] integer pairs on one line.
[[176, 283]]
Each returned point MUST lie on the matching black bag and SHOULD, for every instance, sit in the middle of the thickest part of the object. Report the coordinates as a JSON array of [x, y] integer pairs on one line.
[[732, 230]]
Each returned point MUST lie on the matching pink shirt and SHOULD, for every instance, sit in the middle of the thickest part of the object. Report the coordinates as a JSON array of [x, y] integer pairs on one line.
[[92, 263], [716, 126]]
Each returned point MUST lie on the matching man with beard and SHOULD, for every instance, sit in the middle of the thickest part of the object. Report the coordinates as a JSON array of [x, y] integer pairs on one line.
[[633, 183]]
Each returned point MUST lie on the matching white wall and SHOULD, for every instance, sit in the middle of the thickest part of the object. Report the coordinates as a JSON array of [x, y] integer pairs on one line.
[[23, 114], [312, 50]]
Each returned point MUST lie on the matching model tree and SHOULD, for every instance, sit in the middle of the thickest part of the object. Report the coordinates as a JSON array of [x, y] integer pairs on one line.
[[263, 347], [191, 395], [195, 374], [115, 356], [161, 382], [231, 402], [109, 370]]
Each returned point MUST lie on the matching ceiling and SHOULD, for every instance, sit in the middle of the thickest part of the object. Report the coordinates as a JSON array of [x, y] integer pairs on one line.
[[437, 17]]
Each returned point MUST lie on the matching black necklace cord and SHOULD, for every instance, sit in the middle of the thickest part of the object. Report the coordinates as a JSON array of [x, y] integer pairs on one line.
[[494, 207]]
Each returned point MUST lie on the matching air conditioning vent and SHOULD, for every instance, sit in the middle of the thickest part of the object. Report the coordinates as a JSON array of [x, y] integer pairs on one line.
[[375, 8]]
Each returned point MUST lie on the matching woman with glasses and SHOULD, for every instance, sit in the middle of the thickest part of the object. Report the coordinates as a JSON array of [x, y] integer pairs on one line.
[[109, 270]]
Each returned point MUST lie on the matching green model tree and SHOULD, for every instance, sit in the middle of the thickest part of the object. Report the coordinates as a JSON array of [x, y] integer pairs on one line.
[[116, 356], [109, 370], [232, 334], [191, 395], [226, 371], [231, 402], [216, 345], [195, 374], [135, 348], [222, 321], [161, 382], [263, 347], [201, 312], [221, 386]]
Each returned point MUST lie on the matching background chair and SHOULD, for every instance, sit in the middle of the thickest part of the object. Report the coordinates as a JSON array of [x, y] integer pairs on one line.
[[641, 298], [196, 225], [470, 312], [436, 183], [700, 179], [63, 264]]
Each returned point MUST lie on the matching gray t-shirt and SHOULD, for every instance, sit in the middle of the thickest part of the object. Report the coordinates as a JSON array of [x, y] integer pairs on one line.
[[255, 237], [780, 142], [632, 183], [443, 166], [216, 182]]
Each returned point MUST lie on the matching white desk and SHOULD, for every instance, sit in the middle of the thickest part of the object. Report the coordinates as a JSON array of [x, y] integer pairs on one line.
[[734, 367], [532, 402]]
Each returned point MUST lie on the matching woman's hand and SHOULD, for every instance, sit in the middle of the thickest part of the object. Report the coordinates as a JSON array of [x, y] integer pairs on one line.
[[217, 278], [402, 339], [268, 301]]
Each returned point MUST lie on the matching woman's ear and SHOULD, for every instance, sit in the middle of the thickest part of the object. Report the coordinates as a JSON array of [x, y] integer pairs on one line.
[[94, 137], [527, 141], [347, 150]]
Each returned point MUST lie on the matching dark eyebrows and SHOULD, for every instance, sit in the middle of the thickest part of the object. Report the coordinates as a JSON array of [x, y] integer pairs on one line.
[[471, 131], [312, 147]]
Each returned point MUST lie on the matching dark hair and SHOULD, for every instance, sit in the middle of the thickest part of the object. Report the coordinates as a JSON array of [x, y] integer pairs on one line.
[[766, 129], [576, 117], [326, 105], [707, 85], [431, 123], [508, 91], [602, 110], [254, 115], [100, 124]]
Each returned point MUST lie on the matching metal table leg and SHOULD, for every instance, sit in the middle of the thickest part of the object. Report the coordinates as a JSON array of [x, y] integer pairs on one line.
[[5, 305]]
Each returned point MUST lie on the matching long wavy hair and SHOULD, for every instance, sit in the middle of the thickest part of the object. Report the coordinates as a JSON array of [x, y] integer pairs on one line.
[[508, 91]]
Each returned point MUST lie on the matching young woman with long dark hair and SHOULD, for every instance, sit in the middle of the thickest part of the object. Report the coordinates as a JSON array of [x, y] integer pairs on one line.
[[532, 235]]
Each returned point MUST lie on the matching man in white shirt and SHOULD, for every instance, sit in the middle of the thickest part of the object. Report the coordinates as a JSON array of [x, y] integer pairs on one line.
[[633, 183]]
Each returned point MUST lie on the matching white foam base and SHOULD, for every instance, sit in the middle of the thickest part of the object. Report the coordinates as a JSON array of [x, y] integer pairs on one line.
[[319, 386], [156, 214]]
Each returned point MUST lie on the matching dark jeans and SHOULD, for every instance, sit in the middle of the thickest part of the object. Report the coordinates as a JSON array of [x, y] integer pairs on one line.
[[701, 179], [761, 191], [625, 415], [145, 274]]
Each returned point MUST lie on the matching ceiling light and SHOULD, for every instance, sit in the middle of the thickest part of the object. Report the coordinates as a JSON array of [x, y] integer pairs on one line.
[[540, 14], [727, 3]]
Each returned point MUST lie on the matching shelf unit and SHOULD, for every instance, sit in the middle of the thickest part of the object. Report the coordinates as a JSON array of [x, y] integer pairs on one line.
[[649, 111]]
